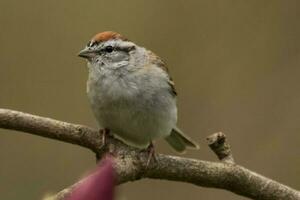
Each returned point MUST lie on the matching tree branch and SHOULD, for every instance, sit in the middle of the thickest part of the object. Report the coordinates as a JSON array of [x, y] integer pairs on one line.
[[50, 128], [217, 143], [130, 162]]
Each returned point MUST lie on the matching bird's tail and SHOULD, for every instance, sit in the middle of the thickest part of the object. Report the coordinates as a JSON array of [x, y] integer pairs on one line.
[[179, 141]]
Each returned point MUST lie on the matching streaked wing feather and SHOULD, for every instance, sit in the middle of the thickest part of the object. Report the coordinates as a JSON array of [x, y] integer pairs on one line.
[[160, 63]]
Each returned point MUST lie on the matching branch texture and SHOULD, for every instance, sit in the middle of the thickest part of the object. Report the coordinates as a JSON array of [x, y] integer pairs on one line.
[[130, 163], [217, 143]]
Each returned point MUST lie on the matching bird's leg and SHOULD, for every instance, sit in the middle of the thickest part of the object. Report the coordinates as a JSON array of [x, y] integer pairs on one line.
[[151, 154], [105, 133]]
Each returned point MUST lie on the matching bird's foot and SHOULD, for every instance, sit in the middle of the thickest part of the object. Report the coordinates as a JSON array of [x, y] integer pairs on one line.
[[104, 147], [104, 133], [151, 154]]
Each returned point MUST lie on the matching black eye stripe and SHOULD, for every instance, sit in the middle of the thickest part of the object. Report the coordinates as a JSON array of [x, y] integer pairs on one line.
[[126, 49], [109, 49]]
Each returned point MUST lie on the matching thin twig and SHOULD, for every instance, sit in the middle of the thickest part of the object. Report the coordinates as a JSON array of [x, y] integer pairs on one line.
[[218, 144]]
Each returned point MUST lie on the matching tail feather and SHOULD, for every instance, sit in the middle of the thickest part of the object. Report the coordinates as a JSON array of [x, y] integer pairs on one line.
[[179, 141]]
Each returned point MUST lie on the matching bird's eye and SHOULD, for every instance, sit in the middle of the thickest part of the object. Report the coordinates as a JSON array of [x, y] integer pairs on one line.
[[109, 49]]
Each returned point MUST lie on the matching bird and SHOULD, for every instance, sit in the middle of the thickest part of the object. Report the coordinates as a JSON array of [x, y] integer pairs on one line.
[[131, 93]]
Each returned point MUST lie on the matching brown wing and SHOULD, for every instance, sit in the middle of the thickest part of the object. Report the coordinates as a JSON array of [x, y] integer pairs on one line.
[[160, 63], [172, 85]]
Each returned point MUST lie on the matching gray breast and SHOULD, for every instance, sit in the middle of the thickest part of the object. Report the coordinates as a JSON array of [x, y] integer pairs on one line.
[[137, 108]]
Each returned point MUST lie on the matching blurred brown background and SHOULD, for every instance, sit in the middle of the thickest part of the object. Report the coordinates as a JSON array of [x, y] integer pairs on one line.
[[235, 64]]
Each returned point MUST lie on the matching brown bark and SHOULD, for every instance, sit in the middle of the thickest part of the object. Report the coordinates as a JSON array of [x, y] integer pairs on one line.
[[130, 162]]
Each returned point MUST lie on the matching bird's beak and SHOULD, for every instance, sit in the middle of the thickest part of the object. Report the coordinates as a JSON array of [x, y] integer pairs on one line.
[[87, 53]]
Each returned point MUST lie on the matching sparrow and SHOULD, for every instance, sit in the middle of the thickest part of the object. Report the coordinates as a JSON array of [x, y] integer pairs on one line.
[[131, 92]]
